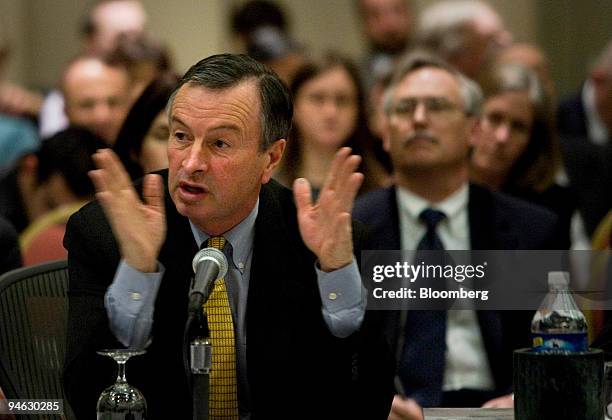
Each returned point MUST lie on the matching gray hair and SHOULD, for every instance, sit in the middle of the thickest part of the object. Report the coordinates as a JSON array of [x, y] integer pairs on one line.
[[224, 71], [444, 27], [514, 77], [471, 94]]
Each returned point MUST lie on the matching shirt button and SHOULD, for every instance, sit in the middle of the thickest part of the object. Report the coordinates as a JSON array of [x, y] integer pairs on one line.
[[136, 296], [241, 266], [332, 296]]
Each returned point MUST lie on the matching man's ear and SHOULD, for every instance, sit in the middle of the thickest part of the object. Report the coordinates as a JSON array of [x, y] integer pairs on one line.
[[274, 153]]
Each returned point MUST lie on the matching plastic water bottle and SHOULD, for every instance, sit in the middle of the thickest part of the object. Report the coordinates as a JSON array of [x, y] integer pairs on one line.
[[559, 326]]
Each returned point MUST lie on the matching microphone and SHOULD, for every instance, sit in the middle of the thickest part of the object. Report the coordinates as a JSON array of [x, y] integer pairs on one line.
[[209, 264]]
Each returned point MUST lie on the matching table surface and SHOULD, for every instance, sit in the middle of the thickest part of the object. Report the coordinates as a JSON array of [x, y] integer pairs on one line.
[[469, 413]]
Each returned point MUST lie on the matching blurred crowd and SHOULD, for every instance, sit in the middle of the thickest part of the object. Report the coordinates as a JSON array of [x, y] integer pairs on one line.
[[527, 142]]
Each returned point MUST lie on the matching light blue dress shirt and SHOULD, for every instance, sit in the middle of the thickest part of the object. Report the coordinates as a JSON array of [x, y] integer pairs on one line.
[[130, 299]]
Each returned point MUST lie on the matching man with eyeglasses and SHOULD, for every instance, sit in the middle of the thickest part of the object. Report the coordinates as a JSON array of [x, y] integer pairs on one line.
[[457, 357]]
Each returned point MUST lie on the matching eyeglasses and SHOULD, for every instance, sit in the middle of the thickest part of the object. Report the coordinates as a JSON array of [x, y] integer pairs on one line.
[[434, 106]]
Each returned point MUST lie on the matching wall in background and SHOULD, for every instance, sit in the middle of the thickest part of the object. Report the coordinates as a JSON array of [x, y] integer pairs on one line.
[[573, 33], [13, 32], [45, 32]]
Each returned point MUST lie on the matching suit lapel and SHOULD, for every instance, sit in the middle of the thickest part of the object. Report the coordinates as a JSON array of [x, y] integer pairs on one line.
[[481, 219], [385, 230], [176, 255], [270, 249], [267, 327], [488, 232]]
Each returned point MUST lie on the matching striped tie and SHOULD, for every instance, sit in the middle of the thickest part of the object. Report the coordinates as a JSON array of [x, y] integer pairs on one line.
[[223, 397]]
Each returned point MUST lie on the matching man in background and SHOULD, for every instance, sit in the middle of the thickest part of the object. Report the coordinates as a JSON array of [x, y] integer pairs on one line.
[[387, 26], [97, 95], [466, 33], [104, 22], [585, 126], [459, 357]]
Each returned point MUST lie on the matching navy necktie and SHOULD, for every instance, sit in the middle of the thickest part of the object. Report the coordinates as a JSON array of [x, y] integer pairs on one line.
[[421, 368], [430, 240]]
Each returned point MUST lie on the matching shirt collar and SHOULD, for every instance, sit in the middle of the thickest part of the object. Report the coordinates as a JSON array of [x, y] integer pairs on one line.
[[240, 238], [413, 204]]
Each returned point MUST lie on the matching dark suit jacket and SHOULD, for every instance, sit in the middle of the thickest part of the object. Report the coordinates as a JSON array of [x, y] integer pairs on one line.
[[12, 207], [296, 368], [588, 165], [571, 117], [10, 255], [496, 221]]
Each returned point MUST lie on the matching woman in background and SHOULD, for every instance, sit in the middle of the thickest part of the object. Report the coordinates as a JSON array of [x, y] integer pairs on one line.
[[142, 140], [329, 113], [515, 147]]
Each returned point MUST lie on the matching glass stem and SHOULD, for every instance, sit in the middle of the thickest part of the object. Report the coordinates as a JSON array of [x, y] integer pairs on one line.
[[121, 372]]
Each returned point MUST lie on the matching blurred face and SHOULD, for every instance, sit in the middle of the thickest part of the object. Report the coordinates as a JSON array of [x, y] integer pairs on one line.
[[114, 18], [486, 36], [428, 128], [531, 57], [527, 55], [387, 23], [153, 155], [326, 109], [504, 131], [216, 167], [55, 192], [97, 97]]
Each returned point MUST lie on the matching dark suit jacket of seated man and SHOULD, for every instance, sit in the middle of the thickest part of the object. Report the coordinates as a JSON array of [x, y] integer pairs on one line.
[[432, 110], [496, 222], [296, 367]]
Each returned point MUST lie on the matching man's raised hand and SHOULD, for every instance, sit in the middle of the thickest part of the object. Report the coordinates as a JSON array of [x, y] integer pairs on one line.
[[326, 225], [139, 227]]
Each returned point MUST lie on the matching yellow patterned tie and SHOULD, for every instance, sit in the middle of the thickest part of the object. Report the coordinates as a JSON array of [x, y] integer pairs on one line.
[[223, 396]]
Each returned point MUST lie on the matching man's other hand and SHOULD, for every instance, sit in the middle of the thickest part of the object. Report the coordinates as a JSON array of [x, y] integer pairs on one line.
[[326, 226]]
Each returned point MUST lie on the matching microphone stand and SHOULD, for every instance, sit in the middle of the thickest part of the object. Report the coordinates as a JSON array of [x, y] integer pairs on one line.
[[197, 350], [197, 358]]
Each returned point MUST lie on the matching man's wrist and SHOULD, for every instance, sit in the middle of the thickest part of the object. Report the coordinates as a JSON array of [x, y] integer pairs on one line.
[[334, 262], [144, 266], [327, 268]]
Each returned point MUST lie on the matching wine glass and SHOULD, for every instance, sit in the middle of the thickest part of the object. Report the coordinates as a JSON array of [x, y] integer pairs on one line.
[[121, 401]]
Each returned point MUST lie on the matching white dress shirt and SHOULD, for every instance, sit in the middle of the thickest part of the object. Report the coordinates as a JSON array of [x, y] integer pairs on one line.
[[466, 362], [596, 129]]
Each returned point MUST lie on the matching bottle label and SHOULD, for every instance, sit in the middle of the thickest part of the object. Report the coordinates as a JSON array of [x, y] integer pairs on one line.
[[560, 343]]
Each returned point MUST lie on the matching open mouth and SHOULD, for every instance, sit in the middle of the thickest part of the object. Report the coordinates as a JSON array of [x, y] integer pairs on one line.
[[191, 189]]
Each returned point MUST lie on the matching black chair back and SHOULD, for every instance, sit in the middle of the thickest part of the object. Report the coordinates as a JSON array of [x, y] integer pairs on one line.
[[33, 319]]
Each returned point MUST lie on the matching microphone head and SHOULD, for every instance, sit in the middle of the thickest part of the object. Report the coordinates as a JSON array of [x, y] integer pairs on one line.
[[211, 254]]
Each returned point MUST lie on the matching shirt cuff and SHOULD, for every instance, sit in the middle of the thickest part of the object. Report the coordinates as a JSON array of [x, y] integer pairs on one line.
[[340, 289], [343, 299], [133, 291], [130, 302]]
